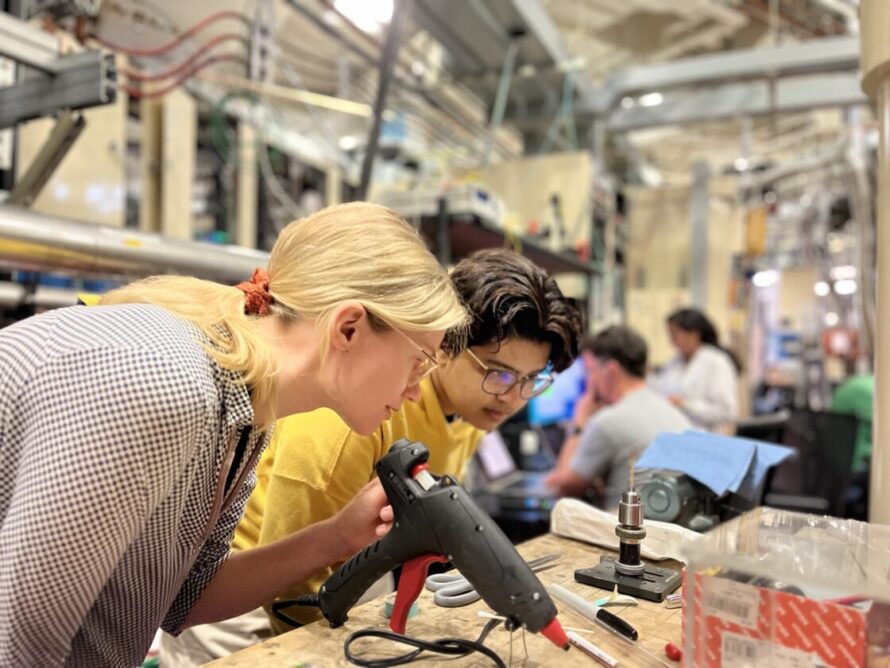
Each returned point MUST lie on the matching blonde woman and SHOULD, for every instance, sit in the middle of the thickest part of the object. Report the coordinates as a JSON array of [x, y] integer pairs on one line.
[[129, 432], [522, 328]]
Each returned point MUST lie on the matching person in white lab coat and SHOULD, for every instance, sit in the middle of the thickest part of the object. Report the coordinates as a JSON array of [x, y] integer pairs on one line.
[[702, 380]]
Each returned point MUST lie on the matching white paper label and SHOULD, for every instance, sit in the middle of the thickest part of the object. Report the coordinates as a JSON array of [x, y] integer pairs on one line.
[[741, 652], [731, 601]]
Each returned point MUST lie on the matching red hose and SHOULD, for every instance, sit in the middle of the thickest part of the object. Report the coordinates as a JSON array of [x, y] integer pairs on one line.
[[197, 67], [139, 75], [176, 41]]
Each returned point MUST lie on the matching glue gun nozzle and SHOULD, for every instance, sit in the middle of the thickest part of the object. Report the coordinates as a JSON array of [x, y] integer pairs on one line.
[[554, 632]]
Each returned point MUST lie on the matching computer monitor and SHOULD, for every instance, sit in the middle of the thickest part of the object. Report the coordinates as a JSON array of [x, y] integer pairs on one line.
[[557, 403], [494, 456]]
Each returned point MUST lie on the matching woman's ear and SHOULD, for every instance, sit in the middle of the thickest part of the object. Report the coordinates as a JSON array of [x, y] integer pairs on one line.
[[444, 358], [348, 321]]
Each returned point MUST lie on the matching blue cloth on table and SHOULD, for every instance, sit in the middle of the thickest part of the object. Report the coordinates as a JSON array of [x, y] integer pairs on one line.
[[724, 464]]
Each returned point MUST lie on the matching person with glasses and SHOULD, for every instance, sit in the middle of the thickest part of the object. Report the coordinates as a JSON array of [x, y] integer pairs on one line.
[[130, 432], [615, 421], [522, 331]]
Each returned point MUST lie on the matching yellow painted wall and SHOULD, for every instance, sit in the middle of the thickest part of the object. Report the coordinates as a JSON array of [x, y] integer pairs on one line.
[[797, 301], [658, 277], [89, 184], [526, 185]]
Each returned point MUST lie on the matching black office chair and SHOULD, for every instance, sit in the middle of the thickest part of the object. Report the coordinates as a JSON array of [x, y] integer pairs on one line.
[[769, 427], [816, 479]]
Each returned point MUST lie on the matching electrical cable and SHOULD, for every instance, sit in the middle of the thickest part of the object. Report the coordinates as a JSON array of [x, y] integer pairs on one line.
[[219, 131], [454, 647], [159, 12], [453, 117], [321, 122], [307, 56], [138, 75], [223, 145], [279, 606], [274, 185], [176, 41], [176, 83]]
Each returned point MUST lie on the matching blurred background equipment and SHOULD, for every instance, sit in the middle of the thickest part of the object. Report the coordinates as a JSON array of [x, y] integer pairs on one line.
[[713, 154]]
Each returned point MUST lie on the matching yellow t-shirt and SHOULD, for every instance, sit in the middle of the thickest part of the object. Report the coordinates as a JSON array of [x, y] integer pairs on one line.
[[315, 464]]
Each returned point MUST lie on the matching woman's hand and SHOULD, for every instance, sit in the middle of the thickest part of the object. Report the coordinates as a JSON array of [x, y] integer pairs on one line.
[[364, 519]]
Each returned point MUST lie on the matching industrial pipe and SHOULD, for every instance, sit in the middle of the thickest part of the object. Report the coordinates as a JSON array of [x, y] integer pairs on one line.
[[33, 241]]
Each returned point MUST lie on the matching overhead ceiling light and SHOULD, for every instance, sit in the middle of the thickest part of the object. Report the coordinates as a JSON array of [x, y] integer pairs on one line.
[[764, 279], [741, 164], [832, 318], [348, 142], [650, 99], [572, 65], [527, 71], [627, 102], [845, 287], [821, 289], [842, 272], [61, 191], [836, 242], [369, 15]]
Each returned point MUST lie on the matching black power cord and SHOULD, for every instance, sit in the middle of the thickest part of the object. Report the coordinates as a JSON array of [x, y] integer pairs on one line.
[[455, 647], [279, 606]]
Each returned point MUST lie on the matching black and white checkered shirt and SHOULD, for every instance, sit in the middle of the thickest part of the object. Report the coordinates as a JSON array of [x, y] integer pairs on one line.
[[117, 433]]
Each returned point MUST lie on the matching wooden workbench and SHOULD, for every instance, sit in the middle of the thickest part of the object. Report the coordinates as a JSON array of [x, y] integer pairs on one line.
[[319, 645]]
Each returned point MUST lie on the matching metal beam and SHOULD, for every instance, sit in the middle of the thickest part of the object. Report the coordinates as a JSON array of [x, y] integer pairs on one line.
[[500, 100], [388, 60], [81, 80], [743, 99], [67, 129], [825, 56], [544, 29], [819, 56], [27, 45]]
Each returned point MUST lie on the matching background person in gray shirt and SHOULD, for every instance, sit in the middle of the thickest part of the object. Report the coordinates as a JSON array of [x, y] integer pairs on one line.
[[618, 418]]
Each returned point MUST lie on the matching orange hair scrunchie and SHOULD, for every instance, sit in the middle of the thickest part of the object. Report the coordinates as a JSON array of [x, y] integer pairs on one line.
[[257, 298]]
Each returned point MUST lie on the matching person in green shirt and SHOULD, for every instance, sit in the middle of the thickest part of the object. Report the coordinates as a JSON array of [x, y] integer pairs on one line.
[[855, 396]]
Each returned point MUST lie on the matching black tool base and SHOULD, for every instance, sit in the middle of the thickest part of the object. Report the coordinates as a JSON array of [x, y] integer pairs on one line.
[[654, 584]]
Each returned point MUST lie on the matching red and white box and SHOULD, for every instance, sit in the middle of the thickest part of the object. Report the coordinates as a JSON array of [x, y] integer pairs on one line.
[[781, 589], [728, 624]]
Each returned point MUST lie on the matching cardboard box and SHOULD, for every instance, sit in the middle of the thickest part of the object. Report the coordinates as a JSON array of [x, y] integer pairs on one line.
[[736, 625], [786, 590]]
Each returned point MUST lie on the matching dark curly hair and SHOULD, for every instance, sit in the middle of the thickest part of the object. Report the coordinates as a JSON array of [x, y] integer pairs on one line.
[[509, 296]]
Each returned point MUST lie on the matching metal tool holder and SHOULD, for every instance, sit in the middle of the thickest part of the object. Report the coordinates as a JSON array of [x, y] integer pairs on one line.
[[632, 576]]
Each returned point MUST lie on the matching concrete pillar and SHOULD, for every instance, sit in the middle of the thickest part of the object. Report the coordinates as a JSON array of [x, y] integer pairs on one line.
[[333, 186], [246, 197], [698, 243], [875, 57], [150, 154], [179, 140]]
